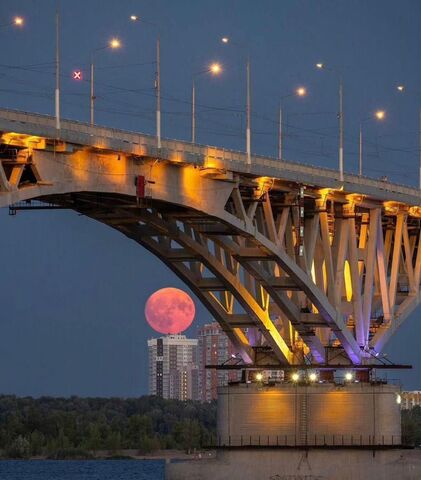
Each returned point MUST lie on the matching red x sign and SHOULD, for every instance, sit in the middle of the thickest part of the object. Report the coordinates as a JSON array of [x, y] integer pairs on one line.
[[77, 75]]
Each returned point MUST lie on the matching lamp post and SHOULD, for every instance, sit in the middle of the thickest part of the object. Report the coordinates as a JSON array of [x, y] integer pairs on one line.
[[57, 91], [226, 40], [321, 66], [378, 115], [402, 89], [113, 44], [214, 69], [135, 19], [299, 92]]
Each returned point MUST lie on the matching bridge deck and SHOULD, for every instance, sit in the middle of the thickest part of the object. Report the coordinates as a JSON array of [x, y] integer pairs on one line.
[[180, 151]]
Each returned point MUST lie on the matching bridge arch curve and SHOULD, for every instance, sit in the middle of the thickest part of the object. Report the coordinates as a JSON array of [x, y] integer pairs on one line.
[[272, 259]]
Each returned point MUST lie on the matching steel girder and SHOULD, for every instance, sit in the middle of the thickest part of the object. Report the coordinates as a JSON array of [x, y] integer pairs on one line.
[[297, 271]]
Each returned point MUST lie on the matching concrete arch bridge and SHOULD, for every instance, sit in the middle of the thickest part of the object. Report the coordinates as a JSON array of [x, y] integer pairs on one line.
[[298, 268]]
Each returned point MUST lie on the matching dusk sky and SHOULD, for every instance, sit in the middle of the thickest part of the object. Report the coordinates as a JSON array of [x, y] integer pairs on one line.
[[73, 290]]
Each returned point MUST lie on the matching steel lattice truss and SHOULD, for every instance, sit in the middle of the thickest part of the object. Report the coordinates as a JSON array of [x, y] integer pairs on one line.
[[294, 273], [353, 285]]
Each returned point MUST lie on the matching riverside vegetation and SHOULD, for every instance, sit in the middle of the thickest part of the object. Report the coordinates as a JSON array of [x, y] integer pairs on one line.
[[78, 427]]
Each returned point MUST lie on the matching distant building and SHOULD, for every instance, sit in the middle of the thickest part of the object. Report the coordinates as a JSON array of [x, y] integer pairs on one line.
[[173, 371], [410, 399], [214, 348]]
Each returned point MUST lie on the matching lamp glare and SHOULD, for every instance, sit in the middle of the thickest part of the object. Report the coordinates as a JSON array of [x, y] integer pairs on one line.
[[115, 43]]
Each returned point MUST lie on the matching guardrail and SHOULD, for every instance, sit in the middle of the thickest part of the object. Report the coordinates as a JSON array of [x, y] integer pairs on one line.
[[309, 440]]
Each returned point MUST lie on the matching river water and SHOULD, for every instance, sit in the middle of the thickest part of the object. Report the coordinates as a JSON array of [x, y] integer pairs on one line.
[[82, 470]]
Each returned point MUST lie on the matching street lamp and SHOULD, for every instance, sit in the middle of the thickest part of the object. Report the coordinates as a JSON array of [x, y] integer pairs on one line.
[[134, 19], [113, 44], [226, 40], [322, 66], [402, 89], [57, 90], [17, 21], [213, 69], [378, 115], [298, 92]]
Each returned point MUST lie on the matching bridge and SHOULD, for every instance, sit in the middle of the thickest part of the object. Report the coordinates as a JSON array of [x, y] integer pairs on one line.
[[299, 268]]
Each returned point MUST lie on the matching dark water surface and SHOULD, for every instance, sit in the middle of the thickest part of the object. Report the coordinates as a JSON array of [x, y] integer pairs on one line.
[[82, 470]]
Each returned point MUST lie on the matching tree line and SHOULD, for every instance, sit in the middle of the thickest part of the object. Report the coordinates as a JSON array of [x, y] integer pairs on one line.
[[411, 426], [63, 427]]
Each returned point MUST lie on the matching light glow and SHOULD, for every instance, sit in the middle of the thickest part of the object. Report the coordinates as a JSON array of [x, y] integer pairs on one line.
[[349, 376], [295, 377], [398, 399], [312, 377], [301, 91], [18, 21], [259, 377], [320, 65], [215, 68], [134, 18], [401, 88], [115, 43], [225, 40], [380, 114]]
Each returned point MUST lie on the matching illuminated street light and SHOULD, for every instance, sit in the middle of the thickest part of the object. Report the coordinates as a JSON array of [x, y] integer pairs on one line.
[[312, 377], [259, 377], [113, 44], [215, 69], [299, 92], [226, 40], [401, 88], [137, 19], [295, 377], [18, 21], [322, 66], [378, 115], [349, 376]]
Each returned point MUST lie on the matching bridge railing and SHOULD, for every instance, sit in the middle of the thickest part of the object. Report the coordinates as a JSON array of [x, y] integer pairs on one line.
[[309, 440]]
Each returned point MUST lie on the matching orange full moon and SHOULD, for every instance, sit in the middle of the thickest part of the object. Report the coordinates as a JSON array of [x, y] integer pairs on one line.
[[169, 310]]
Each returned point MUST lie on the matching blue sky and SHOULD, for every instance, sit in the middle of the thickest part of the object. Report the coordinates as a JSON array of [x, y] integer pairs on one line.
[[72, 314]]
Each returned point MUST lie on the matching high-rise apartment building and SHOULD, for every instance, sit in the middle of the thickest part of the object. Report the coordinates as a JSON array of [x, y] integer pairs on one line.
[[214, 348], [173, 368]]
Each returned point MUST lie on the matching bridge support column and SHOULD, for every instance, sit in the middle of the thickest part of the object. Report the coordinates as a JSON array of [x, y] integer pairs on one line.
[[306, 431]]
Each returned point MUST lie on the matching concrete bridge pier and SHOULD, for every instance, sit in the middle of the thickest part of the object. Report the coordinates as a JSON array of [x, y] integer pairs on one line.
[[287, 431]]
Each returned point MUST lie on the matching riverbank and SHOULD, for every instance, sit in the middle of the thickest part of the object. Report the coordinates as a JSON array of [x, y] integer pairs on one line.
[[124, 454]]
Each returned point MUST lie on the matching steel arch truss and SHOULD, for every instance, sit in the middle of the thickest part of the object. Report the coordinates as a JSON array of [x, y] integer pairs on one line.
[[301, 274]]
